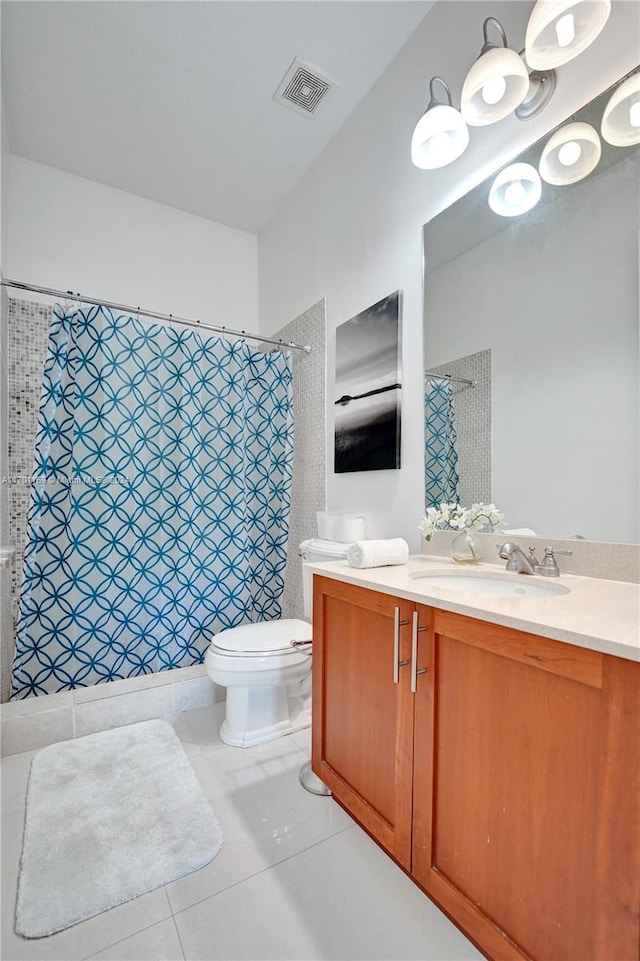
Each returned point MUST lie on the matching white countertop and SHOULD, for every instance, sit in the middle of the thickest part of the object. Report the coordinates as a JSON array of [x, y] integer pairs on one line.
[[597, 614]]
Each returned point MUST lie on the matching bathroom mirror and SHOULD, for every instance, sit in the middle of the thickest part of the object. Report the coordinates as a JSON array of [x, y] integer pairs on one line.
[[540, 312]]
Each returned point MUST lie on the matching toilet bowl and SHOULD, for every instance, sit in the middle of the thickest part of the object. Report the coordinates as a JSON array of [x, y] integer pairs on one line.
[[261, 670], [267, 679]]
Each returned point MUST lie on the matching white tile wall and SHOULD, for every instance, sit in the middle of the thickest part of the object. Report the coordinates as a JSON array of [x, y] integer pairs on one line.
[[126, 709], [308, 493], [38, 721], [27, 732]]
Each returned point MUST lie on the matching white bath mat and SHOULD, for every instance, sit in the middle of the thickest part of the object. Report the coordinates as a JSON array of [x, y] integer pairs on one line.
[[109, 817]]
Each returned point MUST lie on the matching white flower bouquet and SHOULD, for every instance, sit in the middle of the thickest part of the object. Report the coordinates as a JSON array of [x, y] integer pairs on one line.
[[478, 517]]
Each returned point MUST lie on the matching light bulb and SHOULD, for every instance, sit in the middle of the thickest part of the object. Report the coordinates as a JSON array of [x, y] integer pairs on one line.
[[514, 193], [515, 190], [494, 90], [569, 153], [566, 30], [440, 136], [621, 117], [496, 84], [559, 30], [439, 147]]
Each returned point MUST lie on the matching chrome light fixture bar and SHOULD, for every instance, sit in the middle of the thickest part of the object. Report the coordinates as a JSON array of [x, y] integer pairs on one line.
[[542, 85], [501, 82]]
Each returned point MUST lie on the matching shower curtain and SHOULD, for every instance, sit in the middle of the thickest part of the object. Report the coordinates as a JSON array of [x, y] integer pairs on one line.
[[159, 500], [441, 479]]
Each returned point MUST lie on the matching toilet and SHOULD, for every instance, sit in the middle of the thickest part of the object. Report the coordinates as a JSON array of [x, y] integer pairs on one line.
[[268, 680]]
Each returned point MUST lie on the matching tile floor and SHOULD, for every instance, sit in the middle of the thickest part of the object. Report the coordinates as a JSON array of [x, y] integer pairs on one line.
[[296, 877]]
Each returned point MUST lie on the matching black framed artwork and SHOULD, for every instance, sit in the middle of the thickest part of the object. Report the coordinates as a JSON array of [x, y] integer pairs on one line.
[[368, 388]]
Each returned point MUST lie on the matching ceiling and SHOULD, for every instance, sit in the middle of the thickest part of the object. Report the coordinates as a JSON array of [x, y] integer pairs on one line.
[[172, 100]]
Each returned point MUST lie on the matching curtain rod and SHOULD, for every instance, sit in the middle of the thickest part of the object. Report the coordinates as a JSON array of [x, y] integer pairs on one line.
[[138, 312], [460, 380]]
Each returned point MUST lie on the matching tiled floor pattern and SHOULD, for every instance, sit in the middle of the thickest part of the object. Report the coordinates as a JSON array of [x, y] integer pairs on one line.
[[296, 877]]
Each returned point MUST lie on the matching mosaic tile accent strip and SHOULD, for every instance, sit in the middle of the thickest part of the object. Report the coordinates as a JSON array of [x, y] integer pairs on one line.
[[6, 633], [28, 324], [308, 490], [472, 406]]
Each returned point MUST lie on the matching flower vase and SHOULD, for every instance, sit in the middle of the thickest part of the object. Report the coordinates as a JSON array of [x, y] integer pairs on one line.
[[465, 548]]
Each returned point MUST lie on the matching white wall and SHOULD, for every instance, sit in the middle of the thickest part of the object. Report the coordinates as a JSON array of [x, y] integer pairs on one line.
[[351, 230], [4, 170], [4, 182], [6, 631], [73, 234]]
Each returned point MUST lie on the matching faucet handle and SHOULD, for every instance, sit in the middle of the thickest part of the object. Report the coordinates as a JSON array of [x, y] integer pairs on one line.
[[549, 566]]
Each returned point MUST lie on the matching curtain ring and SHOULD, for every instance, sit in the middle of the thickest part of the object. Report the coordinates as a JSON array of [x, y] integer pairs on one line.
[[68, 303]]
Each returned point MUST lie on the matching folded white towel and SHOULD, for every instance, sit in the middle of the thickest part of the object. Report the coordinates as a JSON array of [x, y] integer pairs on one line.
[[519, 530], [378, 553]]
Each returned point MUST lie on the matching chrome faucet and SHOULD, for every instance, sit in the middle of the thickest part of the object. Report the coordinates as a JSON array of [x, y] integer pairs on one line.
[[518, 561], [516, 558]]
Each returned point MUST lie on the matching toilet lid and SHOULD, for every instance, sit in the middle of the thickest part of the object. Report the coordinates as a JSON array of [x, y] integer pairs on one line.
[[267, 637]]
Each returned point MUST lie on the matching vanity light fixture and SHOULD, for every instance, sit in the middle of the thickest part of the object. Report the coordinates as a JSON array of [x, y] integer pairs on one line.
[[558, 30], [441, 135], [497, 82], [570, 154], [621, 118], [515, 190]]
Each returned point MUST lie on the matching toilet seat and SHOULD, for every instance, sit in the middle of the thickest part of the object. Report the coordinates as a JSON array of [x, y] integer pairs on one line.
[[265, 639]]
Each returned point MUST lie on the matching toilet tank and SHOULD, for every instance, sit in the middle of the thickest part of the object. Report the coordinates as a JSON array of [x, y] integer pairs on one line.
[[314, 550]]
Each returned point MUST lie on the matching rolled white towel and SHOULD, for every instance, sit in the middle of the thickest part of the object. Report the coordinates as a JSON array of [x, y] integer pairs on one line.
[[378, 553]]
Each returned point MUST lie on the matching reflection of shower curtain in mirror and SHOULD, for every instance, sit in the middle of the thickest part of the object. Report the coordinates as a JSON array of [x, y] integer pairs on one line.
[[441, 479], [159, 502]]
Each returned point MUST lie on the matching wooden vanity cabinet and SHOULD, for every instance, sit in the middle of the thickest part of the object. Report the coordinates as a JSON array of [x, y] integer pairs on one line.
[[363, 738], [507, 785]]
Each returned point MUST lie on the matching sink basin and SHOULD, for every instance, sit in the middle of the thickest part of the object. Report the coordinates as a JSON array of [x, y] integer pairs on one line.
[[492, 585]]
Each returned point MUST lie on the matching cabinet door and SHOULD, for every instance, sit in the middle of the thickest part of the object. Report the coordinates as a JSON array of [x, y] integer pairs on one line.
[[526, 792], [363, 708]]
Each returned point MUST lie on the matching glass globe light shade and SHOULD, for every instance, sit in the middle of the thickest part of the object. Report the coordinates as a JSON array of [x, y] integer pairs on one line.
[[440, 136], [558, 30], [515, 190], [621, 118], [496, 84], [570, 154]]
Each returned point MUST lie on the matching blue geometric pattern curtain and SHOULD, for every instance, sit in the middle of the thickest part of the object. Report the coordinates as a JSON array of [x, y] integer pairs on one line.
[[441, 480], [159, 503]]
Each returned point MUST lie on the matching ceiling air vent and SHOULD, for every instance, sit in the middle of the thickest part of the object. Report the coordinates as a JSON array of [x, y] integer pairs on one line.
[[303, 88]]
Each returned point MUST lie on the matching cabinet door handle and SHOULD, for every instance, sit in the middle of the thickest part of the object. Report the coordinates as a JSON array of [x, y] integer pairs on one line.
[[397, 663], [414, 653]]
